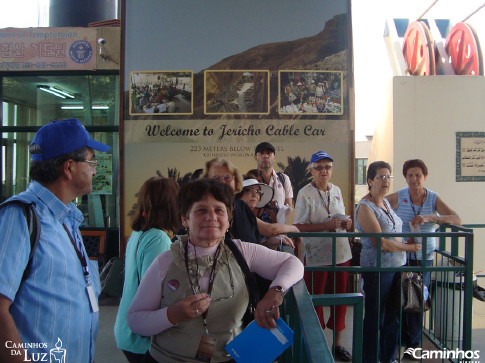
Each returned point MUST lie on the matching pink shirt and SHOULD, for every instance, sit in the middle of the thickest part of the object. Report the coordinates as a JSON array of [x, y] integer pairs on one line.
[[145, 317]]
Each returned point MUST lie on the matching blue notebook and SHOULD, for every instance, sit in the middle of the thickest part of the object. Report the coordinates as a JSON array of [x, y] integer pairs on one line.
[[261, 345]]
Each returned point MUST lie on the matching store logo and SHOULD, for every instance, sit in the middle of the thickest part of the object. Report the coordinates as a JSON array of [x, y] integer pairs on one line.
[[55, 355], [469, 356], [81, 51]]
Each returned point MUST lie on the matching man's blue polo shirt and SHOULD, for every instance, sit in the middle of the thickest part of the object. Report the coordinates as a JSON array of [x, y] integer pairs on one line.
[[52, 303]]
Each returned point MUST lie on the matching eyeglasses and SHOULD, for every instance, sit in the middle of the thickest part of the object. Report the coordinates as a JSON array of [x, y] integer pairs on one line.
[[92, 163], [231, 282], [384, 177], [254, 191], [223, 179], [321, 167]]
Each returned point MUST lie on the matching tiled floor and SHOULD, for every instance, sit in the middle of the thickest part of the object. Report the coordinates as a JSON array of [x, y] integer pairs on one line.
[[106, 349], [107, 352], [478, 334]]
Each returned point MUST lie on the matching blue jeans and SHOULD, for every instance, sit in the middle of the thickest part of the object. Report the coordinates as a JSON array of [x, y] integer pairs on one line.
[[388, 318], [412, 324]]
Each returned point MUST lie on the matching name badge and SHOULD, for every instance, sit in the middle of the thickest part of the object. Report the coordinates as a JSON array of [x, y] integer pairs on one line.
[[206, 348], [92, 299]]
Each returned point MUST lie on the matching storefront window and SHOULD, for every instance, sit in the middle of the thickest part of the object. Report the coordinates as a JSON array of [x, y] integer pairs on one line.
[[30, 101]]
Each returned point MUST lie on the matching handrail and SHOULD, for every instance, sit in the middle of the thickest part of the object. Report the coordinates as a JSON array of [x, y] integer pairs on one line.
[[474, 226], [357, 301], [309, 336], [462, 265]]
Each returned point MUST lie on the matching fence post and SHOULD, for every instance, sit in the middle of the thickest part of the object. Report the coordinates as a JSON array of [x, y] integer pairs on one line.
[[467, 314]]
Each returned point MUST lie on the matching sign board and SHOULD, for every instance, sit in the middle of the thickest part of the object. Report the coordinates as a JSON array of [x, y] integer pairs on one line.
[[47, 49], [470, 156], [236, 74]]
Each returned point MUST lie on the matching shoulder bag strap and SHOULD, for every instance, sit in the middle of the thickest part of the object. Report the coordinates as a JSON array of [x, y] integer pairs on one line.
[[251, 283]]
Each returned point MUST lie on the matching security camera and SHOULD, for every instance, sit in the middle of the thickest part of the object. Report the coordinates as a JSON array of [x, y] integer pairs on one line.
[[102, 41]]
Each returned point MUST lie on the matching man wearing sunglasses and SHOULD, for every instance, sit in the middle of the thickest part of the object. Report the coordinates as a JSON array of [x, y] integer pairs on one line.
[[54, 305]]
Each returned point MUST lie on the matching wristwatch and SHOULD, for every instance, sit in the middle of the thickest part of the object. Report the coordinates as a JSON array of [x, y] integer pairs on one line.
[[279, 289]]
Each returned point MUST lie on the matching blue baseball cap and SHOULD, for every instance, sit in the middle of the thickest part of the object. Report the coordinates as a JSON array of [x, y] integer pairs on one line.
[[319, 155], [62, 137]]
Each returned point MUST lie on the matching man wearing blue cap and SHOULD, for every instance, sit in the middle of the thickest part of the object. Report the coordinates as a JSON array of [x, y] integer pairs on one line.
[[54, 306]]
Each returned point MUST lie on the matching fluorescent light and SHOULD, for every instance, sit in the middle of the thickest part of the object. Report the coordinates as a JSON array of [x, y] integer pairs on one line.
[[98, 107], [72, 107], [62, 92], [48, 90], [55, 91]]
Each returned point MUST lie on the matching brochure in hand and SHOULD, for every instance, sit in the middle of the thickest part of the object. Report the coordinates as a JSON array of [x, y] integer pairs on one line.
[[340, 216], [256, 344]]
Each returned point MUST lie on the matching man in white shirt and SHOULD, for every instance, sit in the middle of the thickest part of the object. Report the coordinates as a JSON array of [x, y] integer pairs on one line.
[[162, 108], [265, 157]]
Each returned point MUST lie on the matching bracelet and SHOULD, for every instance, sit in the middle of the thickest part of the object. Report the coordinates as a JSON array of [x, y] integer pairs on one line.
[[437, 219]]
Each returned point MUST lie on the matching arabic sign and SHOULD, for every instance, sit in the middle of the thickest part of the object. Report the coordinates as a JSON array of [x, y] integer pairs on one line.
[[470, 156], [47, 49]]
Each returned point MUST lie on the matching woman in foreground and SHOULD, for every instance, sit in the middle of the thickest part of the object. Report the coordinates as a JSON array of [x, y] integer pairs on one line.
[[195, 294]]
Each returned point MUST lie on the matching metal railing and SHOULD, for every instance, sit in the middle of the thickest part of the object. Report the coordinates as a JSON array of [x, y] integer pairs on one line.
[[447, 324], [357, 301], [310, 344]]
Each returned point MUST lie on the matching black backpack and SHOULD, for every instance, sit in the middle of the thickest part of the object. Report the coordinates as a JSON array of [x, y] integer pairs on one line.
[[33, 223]]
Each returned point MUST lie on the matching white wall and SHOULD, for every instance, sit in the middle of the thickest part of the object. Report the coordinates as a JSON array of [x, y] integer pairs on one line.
[[428, 111], [382, 142]]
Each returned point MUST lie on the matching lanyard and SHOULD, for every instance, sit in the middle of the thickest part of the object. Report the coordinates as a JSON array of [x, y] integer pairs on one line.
[[212, 275], [422, 202], [327, 204], [386, 210], [93, 301], [79, 254]]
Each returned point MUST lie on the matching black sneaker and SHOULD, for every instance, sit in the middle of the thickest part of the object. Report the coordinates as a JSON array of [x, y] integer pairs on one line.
[[342, 354]]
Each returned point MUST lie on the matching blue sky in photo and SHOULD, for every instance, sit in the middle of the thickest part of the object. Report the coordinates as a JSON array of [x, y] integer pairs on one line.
[[194, 34]]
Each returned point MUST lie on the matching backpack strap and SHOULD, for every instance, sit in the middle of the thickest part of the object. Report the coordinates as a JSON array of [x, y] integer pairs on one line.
[[281, 177], [33, 224]]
